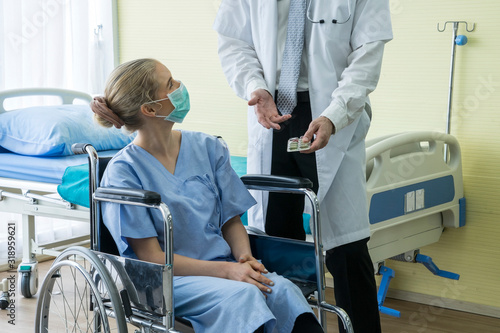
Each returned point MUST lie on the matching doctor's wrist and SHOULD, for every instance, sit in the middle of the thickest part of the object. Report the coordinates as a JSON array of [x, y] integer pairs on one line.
[[330, 122]]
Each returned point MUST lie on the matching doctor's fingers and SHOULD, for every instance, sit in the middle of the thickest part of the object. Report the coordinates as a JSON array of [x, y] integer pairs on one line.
[[320, 141], [274, 120], [268, 116], [319, 126], [269, 121]]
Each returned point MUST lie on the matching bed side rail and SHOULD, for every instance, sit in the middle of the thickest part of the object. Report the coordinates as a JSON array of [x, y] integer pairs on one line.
[[407, 157], [67, 96], [381, 152], [415, 163]]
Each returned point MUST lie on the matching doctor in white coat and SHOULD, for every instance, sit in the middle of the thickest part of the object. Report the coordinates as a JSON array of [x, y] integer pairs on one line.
[[340, 66]]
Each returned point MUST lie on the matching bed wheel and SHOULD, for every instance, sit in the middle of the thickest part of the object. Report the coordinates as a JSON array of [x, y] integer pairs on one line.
[[25, 285], [28, 279], [4, 304], [4, 294]]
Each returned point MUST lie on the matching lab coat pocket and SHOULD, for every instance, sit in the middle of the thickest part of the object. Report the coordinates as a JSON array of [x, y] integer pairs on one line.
[[330, 14], [332, 36]]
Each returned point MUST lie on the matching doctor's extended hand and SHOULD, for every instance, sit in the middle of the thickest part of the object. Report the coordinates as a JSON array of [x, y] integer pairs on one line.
[[322, 128], [249, 270], [265, 109]]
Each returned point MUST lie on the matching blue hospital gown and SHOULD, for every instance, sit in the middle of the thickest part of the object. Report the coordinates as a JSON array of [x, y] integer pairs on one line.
[[203, 193]]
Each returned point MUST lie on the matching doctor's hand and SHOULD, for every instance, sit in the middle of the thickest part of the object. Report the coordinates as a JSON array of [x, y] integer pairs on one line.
[[265, 109], [249, 270], [322, 128]]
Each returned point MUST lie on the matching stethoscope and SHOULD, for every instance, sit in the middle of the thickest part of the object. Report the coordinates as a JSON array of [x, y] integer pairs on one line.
[[334, 21]]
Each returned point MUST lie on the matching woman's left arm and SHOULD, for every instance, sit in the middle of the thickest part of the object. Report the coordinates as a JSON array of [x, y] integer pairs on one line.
[[236, 236]]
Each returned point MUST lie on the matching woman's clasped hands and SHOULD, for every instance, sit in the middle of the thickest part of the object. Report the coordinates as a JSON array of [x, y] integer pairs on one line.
[[250, 270]]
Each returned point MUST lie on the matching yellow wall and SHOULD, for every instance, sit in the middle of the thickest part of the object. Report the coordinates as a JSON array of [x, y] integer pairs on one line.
[[179, 34], [412, 95]]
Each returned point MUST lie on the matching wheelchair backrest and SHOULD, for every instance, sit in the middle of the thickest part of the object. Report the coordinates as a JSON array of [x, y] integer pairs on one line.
[[105, 242]]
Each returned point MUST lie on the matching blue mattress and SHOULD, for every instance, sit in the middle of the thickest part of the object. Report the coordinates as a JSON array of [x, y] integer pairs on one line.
[[38, 168]]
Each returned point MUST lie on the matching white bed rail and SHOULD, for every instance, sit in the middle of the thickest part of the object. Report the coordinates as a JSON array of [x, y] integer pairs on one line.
[[385, 155], [67, 96]]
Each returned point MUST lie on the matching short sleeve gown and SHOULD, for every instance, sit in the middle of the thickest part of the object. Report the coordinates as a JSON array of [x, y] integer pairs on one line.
[[202, 194]]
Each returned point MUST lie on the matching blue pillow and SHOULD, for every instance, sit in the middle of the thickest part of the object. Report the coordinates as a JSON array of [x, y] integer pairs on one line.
[[3, 150], [51, 130]]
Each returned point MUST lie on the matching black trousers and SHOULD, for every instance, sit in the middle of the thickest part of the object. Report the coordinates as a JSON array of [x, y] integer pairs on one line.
[[288, 222], [350, 264], [354, 285]]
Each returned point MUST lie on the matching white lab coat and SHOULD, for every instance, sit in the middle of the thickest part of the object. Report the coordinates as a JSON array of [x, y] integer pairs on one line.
[[343, 68]]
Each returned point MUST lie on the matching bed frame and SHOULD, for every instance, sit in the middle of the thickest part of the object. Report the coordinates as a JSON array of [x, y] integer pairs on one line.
[[414, 191], [33, 198]]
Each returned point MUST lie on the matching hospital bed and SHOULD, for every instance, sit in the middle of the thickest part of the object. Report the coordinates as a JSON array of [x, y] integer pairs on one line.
[[32, 163], [414, 191]]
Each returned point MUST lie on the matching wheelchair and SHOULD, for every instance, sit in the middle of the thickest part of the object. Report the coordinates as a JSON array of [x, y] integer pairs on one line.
[[96, 290]]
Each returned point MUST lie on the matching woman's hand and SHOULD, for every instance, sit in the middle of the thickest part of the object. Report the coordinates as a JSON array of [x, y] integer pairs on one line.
[[256, 265], [249, 270]]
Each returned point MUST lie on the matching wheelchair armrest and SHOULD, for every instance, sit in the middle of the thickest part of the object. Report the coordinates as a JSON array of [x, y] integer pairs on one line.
[[122, 194], [271, 181]]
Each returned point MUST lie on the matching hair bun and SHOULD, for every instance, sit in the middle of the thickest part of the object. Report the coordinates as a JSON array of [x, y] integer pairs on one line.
[[100, 108]]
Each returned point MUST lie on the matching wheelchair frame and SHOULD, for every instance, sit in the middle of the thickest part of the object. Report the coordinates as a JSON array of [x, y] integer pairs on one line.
[[106, 270]]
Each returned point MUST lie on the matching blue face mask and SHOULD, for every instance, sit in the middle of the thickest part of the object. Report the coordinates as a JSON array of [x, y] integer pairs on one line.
[[180, 100]]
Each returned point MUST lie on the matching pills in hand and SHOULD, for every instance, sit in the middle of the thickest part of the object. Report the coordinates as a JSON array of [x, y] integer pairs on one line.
[[296, 144]]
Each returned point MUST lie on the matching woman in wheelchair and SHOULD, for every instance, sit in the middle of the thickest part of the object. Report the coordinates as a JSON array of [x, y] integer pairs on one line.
[[218, 285]]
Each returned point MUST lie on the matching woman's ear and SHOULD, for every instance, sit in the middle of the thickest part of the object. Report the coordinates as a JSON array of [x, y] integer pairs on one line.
[[148, 110]]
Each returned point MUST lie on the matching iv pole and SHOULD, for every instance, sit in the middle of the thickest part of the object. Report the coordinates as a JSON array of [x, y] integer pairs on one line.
[[456, 40]]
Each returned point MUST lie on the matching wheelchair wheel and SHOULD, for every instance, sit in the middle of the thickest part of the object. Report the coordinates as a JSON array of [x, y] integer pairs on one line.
[[78, 295]]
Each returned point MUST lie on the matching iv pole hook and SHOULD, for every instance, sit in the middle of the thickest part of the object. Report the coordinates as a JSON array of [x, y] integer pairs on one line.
[[464, 22]]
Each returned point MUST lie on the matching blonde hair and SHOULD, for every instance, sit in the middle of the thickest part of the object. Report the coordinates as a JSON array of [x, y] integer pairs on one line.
[[129, 86]]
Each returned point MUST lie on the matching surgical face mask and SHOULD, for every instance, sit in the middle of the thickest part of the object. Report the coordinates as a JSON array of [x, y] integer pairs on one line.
[[180, 100]]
